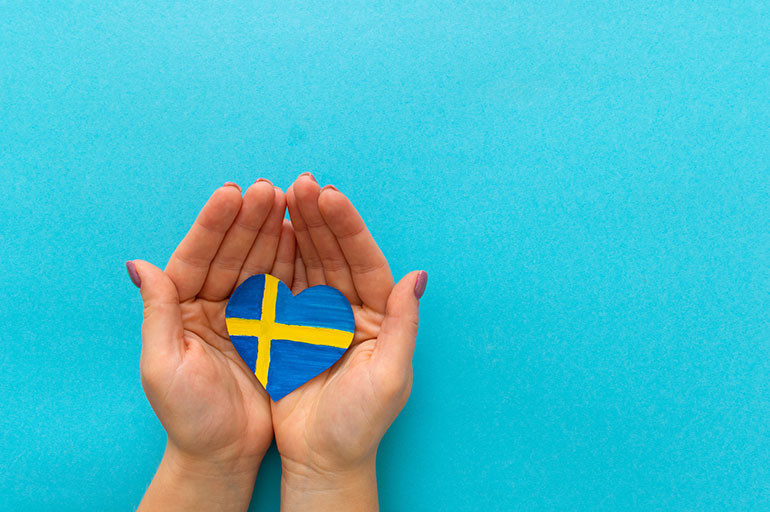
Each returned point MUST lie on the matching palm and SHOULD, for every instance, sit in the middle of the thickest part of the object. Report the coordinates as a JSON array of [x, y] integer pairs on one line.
[[329, 420], [207, 398], [308, 419], [217, 388]]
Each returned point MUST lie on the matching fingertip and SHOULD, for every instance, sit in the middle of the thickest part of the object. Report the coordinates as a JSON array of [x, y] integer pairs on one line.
[[307, 175], [229, 196], [133, 274], [306, 189], [330, 198], [261, 191], [329, 187], [420, 283], [280, 202], [140, 268], [279, 198], [154, 282], [294, 213], [255, 206], [333, 203]]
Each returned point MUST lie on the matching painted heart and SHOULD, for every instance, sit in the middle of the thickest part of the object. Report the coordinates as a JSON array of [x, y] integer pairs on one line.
[[287, 340]]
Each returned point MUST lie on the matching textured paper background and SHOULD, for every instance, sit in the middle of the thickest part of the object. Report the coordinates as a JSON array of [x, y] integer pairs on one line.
[[586, 182]]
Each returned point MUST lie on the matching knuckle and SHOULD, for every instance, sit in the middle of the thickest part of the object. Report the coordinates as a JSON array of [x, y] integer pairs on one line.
[[412, 323], [156, 307]]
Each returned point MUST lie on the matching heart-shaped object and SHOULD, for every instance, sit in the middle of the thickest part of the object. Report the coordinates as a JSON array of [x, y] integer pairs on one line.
[[287, 340]]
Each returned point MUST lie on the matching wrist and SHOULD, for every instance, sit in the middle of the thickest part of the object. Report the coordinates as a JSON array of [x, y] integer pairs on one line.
[[230, 464], [186, 482], [312, 488]]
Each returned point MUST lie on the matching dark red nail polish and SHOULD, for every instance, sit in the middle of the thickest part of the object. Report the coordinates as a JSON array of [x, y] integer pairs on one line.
[[231, 184], [329, 187], [309, 175], [265, 180], [421, 283], [133, 274]]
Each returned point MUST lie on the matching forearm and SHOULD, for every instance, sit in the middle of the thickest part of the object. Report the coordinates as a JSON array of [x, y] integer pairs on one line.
[[315, 490], [183, 483]]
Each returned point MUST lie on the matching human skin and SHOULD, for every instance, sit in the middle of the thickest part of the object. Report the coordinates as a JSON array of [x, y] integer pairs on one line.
[[218, 418], [328, 430], [215, 412]]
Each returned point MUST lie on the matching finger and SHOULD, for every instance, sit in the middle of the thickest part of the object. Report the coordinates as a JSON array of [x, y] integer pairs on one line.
[[335, 267], [395, 343], [162, 331], [226, 266], [190, 262], [283, 268], [262, 254], [313, 266], [300, 275], [368, 266]]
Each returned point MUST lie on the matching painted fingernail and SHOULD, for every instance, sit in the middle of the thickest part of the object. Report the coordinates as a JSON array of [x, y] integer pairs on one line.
[[231, 184], [265, 180], [329, 187], [421, 283], [309, 175], [133, 274]]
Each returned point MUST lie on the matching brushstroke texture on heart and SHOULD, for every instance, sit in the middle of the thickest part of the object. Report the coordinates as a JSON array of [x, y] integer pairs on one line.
[[287, 340]]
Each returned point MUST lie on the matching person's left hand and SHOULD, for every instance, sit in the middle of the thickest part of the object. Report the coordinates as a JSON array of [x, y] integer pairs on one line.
[[328, 430]]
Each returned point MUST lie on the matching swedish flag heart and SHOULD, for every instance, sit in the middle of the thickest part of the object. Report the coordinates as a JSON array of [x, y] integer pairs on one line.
[[287, 340]]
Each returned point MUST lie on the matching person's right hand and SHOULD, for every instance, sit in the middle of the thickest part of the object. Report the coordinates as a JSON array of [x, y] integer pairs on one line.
[[215, 411]]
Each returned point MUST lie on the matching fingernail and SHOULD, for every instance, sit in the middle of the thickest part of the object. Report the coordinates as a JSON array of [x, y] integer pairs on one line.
[[309, 175], [265, 180], [421, 283], [133, 274], [329, 187], [231, 184]]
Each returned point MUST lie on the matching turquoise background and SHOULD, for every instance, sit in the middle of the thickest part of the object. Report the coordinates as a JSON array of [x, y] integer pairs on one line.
[[586, 183]]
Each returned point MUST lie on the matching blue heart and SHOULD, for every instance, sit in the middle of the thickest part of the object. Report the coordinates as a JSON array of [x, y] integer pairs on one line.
[[287, 340]]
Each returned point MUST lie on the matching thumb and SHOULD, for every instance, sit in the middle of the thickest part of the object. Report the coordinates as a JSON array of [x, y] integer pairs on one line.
[[395, 344], [162, 330]]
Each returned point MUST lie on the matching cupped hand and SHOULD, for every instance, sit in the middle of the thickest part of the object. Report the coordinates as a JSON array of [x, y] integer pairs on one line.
[[332, 425], [210, 403]]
